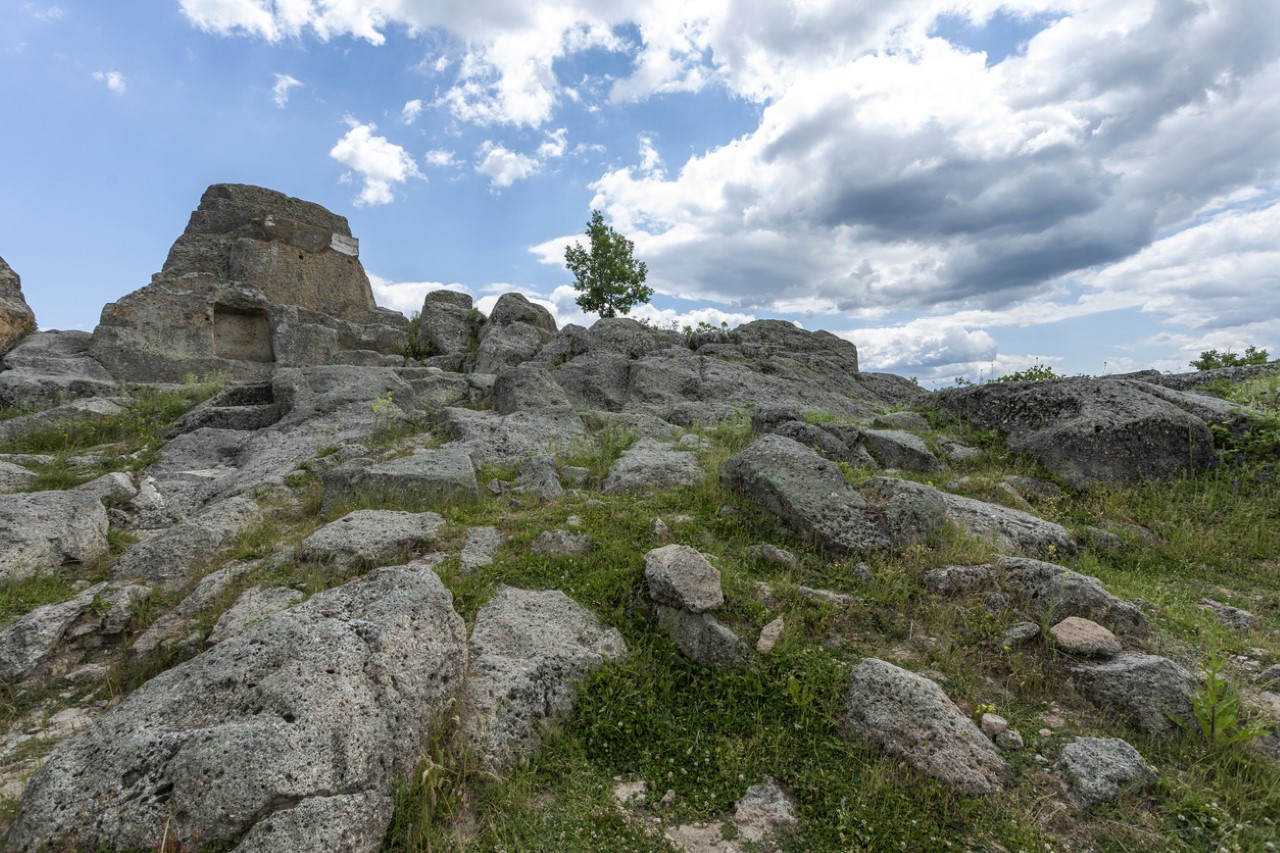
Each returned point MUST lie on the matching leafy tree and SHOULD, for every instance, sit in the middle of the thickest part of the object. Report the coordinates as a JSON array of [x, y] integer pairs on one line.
[[1212, 359], [610, 280]]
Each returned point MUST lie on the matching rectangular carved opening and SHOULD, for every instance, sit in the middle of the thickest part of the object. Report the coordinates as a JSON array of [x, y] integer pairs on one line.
[[242, 334]]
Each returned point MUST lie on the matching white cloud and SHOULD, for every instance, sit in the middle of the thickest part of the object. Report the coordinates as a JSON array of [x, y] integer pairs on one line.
[[412, 109], [379, 162], [280, 91], [503, 167], [441, 159], [406, 296], [114, 80], [554, 145]]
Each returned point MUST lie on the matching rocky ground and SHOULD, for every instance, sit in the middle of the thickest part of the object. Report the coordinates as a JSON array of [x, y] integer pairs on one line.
[[624, 588]]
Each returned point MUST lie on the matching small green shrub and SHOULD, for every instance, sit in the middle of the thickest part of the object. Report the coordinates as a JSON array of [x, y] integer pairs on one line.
[[1216, 706], [1212, 359], [1035, 373]]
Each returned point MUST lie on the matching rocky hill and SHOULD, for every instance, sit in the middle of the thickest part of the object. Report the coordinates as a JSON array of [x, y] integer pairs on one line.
[[281, 570]]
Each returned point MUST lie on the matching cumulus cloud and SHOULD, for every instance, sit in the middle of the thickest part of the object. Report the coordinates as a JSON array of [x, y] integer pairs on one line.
[[280, 91], [406, 296], [379, 162], [411, 110], [502, 166], [114, 80], [890, 169]]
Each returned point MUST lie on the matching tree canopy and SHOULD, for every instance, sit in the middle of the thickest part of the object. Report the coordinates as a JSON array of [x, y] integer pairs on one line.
[[607, 276]]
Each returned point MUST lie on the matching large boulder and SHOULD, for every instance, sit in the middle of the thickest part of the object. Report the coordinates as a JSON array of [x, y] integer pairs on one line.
[[1097, 770], [444, 326], [910, 717], [258, 279], [526, 386], [46, 368], [1153, 691], [28, 643], [17, 320], [493, 439], [41, 531], [529, 649], [806, 491], [321, 707], [1090, 430], [516, 331]]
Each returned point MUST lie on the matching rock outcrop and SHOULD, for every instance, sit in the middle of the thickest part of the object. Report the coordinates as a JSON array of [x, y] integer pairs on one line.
[[288, 725], [257, 280], [1091, 430], [17, 320]]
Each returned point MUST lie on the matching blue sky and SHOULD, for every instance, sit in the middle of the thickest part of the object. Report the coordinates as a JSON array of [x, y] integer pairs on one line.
[[960, 187]]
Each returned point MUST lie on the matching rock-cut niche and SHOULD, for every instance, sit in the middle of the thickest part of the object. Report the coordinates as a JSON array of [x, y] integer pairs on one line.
[[242, 334]]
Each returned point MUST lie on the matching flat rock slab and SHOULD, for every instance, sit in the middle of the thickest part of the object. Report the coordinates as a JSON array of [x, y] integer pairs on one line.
[[1098, 770], [41, 531], [1012, 529], [169, 558], [910, 717], [176, 624], [529, 649], [560, 543], [479, 548], [221, 746], [422, 479], [679, 576], [1152, 690], [1084, 637], [649, 464], [806, 491], [14, 477], [493, 439], [367, 537]]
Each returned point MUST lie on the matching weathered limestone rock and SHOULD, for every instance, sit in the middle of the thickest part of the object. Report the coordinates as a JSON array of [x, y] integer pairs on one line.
[[113, 488], [17, 320], [649, 464], [28, 642], [14, 477], [526, 386], [679, 576], [46, 368], [912, 421], [560, 543], [538, 476], [41, 531], [490, 438], [1232, 617], [253, 606], [1154, 691], [1054, 591], [516, 331], [479, 548], [426, 478], [1011, 529], [175, 625], [370, 536], [258, 279], [702, 637], [909, 717], [221, 746], [764, 812], [169, 558], [528, 651], [1089, 430], [444, 324], [807, 491], [895, 448], [1084, 637], [1097, 770]]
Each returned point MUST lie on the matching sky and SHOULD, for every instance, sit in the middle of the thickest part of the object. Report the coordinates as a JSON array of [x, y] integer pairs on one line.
[[962, 188]]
